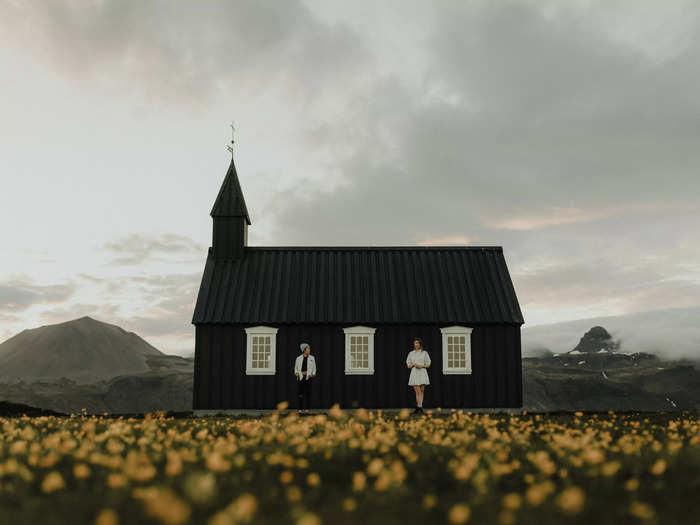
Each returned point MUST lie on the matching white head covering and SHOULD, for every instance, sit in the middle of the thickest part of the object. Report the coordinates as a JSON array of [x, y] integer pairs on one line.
[[303, 346]]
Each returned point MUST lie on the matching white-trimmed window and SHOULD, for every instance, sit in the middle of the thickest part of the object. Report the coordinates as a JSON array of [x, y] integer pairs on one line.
[[261, 349], [456, 350], [359, 350]]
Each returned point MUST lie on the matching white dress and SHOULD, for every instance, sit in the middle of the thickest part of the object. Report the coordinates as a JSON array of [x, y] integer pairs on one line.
[[419, 376]]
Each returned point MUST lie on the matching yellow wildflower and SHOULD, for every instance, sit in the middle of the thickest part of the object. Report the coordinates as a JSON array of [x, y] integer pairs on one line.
[[107, 517], [163, 504], [200, 487], [512, 501], [383, 481], [309, 518], [359, 481], [632, 484], [335, 412], [571, 500], [116, 480], [610, 468], [81, 471], [173, 466], [459, 513], [286, 477], [137, 466], [243, 509], [313, 479], [538, 492], [52, 482], [658, 467], [375, 466], [641, 510], [216, 462], [18, 447]]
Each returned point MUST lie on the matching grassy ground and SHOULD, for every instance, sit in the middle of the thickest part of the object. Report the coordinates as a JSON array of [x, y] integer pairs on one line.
[[340, 467]]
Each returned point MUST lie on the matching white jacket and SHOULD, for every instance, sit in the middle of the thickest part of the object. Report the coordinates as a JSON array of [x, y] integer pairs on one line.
[[310, 366]]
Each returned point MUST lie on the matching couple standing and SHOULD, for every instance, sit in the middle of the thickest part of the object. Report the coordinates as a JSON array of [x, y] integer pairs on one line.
[[418, 361]]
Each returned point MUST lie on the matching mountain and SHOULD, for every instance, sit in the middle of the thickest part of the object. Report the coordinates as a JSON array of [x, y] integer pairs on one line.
[[595, 376], [84, 350], [596, 340], [669, 334]]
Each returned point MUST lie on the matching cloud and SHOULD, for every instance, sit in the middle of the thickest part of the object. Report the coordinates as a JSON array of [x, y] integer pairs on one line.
[[597, 280], [90, 278], [184, 53], [77, 310], [567, 133], [670, 333], [536, 129], [17, 295], [168, 304], [165, 319], [502, 158], [156, 307], [137, 248], [448, 240]]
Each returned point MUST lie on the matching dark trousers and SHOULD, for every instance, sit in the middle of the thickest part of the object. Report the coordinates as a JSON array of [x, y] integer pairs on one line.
[[304, 393]]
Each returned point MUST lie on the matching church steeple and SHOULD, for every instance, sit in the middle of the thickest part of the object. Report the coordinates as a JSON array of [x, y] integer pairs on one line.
[[230, 202], [231, 219]]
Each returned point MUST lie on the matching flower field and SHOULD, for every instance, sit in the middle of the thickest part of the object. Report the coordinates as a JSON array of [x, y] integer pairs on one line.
[[349, 467]]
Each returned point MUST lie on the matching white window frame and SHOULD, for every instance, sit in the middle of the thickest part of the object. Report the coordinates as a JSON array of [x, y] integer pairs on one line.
[[457, 330], [359, 330], [261, 330]]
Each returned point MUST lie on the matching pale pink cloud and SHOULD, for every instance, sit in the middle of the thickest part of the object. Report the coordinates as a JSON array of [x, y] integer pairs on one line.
[[559, 215], [445, 240]]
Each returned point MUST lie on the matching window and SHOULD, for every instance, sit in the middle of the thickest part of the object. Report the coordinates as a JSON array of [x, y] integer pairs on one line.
[[359, 350], [456, 350], [261, 349]]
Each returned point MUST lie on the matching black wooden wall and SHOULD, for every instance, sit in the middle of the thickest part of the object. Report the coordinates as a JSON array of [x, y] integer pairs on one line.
[[220, 380]]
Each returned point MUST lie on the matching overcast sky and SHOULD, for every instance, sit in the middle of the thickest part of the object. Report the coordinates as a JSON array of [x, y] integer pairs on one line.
[[566, 132]]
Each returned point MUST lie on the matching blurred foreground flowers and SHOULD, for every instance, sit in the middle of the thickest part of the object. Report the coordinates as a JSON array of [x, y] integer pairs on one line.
[[446, 466]]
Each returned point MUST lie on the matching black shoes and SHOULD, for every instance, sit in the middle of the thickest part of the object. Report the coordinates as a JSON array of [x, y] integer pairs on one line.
[[418, 410]]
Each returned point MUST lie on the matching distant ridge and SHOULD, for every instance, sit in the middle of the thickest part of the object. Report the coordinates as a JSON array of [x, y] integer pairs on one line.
[[83, 349]]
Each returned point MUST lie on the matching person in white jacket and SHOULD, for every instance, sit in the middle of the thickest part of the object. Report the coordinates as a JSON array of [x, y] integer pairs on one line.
[[305, 371]]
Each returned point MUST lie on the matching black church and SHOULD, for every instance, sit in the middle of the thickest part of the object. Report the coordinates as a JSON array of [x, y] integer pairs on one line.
[[359, 308]]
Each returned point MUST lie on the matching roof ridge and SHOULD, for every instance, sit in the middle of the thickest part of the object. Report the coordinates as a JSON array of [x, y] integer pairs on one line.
[[398, 247], [358, 284]]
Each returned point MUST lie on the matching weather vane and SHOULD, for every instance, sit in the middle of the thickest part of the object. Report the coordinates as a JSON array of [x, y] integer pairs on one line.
[[230, 146]]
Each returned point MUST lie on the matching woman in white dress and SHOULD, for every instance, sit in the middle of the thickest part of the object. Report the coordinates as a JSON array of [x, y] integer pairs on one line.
[[418, 361]]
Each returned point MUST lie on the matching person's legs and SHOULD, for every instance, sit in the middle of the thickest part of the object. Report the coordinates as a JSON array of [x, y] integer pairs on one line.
[[307, 394], [416, 388], [300, 394], [304, 395], [422, 395]]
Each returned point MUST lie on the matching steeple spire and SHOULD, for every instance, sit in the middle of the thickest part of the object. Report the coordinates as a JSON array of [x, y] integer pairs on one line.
[[230, 202]]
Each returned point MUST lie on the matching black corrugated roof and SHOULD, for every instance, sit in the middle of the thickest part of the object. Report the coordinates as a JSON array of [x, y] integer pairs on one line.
[[230, 202], [357, 284]]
